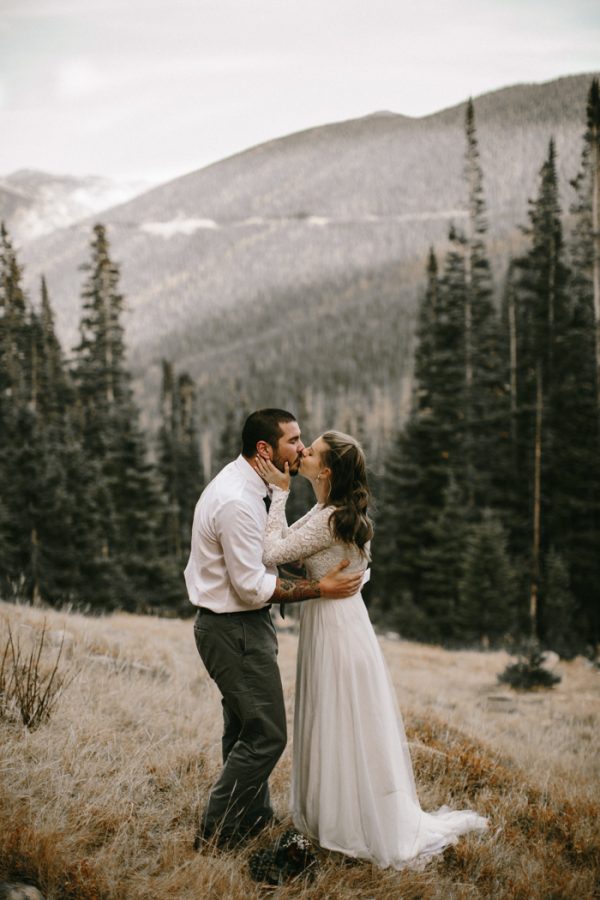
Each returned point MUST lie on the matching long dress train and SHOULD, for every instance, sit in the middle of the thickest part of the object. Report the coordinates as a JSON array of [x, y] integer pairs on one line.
[[353, 788]]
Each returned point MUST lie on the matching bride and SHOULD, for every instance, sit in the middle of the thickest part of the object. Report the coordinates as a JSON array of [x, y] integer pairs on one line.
[[353, 788]]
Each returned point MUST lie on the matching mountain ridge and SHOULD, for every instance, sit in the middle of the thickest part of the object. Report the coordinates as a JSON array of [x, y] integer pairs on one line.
[[286, 221]]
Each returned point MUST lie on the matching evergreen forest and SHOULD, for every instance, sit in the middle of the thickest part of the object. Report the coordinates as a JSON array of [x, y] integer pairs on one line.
[[486, 500], [489, 503], [86, 519]]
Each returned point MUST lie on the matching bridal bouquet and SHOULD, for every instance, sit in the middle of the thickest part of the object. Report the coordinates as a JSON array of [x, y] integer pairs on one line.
[[291, 857]]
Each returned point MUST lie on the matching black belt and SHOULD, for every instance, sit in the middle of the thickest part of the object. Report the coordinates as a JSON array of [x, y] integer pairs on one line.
[[241, 612]]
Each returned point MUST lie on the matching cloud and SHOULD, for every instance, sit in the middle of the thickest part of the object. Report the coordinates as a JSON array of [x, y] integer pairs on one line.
[[77, 78], [47, 9], [167, 85]]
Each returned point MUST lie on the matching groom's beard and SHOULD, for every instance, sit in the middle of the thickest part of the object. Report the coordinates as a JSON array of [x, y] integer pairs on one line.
[[279, 463]]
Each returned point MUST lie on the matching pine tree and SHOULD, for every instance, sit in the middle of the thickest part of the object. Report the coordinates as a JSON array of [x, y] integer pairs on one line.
[[449, 408], [39, 526], [585, 246], [229, 444], [103, 381], [506, 457], [487, 589], [411, 489], [483, 382], [126, 506], [179, 460], [405, 505], [14, 337], [443, 567], [543, 321], [426, 362], [445, 468], [15, 415], [509, 330], [579, 457], [55, 390], [54, 515], [429, 462], [98, 581], [81, 509], [561, 629]]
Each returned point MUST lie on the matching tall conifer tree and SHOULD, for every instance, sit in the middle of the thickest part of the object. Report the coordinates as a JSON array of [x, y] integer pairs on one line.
[[482, 361], [446, 448], [580, 412], [14, 331], [126, 505], [411, 490], [15, 417], [543, 324], [585, 245], [485, 609], [179, 459]]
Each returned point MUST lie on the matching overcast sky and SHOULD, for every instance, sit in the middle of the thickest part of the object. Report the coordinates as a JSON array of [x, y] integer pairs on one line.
[[151, 89]]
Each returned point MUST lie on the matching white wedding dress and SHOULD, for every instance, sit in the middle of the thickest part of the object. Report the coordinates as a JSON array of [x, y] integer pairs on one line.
[[353, 788]]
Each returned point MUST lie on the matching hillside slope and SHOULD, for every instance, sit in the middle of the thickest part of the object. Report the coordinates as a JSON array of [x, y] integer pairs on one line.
[[340, 215]]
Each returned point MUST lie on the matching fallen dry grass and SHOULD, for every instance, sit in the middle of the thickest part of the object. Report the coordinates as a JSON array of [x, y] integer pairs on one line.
[[101, 801]]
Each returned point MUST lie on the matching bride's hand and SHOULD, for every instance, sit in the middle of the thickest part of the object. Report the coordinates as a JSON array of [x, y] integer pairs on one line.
[[269, 473]]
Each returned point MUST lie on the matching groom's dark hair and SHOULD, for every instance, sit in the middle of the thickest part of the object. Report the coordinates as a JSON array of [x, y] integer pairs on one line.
[[263, 425]]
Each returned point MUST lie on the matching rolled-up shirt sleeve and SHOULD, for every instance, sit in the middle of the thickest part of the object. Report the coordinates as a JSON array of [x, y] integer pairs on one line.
[[241, 537]]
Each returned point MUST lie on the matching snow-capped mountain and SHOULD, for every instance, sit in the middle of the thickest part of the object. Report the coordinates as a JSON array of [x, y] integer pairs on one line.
[[34, 203]]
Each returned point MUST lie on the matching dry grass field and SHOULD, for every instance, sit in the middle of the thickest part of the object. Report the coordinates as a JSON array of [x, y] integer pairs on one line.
[[101, 800]]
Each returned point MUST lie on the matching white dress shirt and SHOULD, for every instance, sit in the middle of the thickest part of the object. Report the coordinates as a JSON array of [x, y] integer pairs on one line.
[[225, 572]]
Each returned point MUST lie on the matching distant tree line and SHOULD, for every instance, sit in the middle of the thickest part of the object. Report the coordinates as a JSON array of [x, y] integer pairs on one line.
[[85, 518], [489, 507]]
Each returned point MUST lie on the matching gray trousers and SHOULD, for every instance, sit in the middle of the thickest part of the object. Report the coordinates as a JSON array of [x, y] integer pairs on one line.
[[239, 651]]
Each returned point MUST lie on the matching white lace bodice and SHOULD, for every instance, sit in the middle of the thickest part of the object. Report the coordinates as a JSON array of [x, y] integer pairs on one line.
[[310, 539]]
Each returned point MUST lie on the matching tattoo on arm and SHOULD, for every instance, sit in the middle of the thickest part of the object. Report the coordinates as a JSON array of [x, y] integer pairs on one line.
[[295, 590]]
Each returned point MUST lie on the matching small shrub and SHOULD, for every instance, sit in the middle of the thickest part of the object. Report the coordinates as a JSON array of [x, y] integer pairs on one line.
[[528, 672], [25, 685]]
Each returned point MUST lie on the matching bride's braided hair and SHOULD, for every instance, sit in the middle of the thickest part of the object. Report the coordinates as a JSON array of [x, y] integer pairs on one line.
[[349, 491]]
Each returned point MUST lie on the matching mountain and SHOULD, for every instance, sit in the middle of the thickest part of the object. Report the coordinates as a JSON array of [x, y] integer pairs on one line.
[[34, 203], [289, 273]]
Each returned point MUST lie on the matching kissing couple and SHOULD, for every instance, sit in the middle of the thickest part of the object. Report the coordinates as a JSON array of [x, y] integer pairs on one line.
[[353, 788]]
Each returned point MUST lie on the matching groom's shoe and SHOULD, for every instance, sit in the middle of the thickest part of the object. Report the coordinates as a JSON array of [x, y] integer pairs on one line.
[[218, 840], [210, 837], [221, 839], [260, 824], [249, 829]]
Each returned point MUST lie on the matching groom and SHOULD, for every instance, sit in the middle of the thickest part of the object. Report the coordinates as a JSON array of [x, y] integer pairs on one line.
[[233, 590]]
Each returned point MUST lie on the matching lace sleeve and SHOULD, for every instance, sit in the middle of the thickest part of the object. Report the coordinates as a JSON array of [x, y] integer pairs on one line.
[[285, 528], [300, 522], [313, 534]]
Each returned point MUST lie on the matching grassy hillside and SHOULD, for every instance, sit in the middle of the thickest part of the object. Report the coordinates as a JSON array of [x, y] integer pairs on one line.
[[101, 801]]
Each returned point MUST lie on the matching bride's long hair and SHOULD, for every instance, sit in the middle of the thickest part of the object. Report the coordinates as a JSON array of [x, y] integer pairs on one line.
[[349, 492]]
